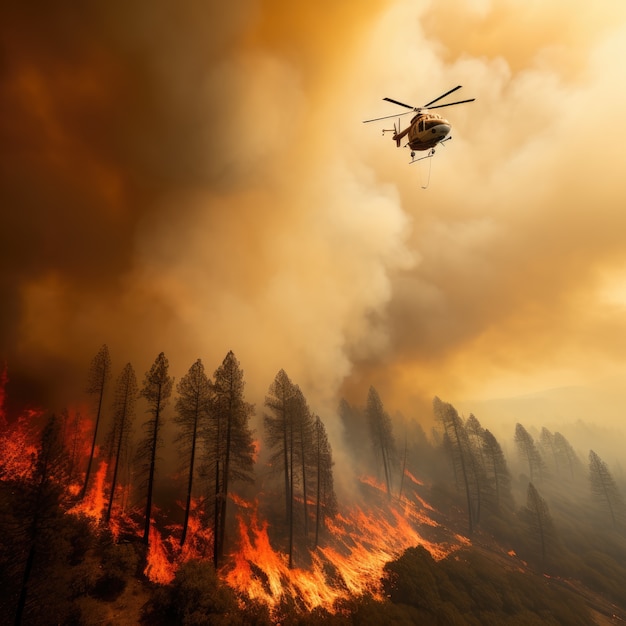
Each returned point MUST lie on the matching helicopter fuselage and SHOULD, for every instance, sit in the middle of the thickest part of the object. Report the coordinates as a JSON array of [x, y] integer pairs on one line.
[[426, 131]]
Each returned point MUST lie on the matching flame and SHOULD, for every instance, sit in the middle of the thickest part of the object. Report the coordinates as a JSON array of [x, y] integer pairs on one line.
[[357, 543], [18, 446], [411, 477], [94, 502], [351, 563], [159, 568]]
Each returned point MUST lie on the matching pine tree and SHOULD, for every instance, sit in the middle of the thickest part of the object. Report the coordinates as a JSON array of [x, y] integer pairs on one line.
[[233, 447], [567, 456], [99, 374], [192, 410], [548, 446], [604, 488], [473, 436], [123, 417], [496, 469], [325, 500], [529, 452], [289, 433], [157, 388], [278, 431], [40, 503], [381, 432], [304, 441], [459, 448], [539, 518]]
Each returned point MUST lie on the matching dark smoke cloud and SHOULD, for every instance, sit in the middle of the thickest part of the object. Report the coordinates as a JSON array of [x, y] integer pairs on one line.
[[195, 178]]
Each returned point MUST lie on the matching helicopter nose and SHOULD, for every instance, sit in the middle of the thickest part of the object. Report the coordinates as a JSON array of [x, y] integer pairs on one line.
[[441, 130]]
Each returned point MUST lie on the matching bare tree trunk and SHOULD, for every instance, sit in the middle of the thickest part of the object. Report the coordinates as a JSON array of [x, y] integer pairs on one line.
[[95, 436], [190, 480], [146, 530]]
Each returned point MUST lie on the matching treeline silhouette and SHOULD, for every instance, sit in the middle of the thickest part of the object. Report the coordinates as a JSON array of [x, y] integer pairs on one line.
[[547, 527]]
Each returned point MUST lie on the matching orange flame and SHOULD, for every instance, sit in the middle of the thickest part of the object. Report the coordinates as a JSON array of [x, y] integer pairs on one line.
[[159, 569], [94, 502], [18, 446], [357, 543], [361, 543]]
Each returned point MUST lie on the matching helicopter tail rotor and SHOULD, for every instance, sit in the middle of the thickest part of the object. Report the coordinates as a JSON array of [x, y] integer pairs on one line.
[[396, 132]]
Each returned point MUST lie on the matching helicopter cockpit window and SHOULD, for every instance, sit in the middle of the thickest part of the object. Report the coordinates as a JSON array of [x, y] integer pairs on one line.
[[421, 126]]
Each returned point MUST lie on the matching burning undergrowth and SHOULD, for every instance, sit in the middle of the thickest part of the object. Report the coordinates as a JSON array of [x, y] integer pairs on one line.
[[314, 565]]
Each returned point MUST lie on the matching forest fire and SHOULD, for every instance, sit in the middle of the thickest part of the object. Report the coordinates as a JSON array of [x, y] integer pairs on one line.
[[358, 542], [361, 540], [94, 502], [276, 541], [334, 552]]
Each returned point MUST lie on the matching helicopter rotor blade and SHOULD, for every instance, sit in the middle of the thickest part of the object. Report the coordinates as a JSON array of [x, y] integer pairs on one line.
[[440, 106], [442, 96], [376, 119], [408, 106]]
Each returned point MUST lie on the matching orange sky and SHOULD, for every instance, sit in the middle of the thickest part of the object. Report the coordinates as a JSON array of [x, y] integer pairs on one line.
[[195, 179]]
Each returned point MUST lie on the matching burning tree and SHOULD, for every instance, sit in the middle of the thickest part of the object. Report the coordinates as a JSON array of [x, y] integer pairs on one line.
[[99, 374], [192, 411], [123, 417], [157, 388], [381, 431], [230, 447]]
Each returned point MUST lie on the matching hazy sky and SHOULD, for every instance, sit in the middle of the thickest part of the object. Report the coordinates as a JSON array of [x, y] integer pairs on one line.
[[194, 177]]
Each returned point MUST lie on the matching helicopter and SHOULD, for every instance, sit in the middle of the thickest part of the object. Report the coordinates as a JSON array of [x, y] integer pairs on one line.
[[426, 129]]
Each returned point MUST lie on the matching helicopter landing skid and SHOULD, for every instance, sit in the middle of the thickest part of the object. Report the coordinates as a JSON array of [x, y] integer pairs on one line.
[[431, 153]]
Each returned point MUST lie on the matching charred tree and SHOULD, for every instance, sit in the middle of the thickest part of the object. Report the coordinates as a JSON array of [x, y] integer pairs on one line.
[[99, 374], [40, 503], [233, 446], [325, 500], [157, 388], [381, 432], [123, 416], [192, 410], [604, 488]]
